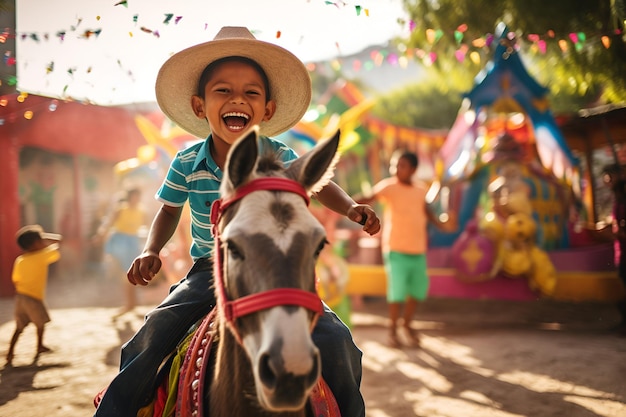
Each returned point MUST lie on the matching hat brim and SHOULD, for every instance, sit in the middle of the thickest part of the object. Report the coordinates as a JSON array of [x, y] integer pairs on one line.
[[35, 228], [51, 236], [290, 83]]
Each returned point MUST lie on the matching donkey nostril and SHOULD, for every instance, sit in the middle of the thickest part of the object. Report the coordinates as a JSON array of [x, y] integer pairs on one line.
[[267, 373]]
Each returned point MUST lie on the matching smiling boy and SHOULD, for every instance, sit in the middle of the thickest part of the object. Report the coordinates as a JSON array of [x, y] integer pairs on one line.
[[217, 90]]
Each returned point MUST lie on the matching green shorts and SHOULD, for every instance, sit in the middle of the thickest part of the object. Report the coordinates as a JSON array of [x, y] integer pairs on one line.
[[407, 276]]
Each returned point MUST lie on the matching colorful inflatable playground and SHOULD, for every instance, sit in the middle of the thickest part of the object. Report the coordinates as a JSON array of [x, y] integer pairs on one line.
[[514, 184]]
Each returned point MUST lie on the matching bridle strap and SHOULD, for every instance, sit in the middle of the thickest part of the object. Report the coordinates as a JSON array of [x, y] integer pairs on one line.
[[272, 298], [259, 184], [234, 309]]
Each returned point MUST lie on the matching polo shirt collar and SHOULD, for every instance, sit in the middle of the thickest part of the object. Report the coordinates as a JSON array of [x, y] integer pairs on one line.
[[204, 155]]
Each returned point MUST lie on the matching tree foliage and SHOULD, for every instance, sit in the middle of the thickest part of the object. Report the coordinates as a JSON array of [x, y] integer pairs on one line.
[[432, 104], [7, 5], [587, 71]]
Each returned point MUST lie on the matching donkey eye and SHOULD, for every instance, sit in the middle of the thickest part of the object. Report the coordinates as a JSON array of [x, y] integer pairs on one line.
[[320, 248], [234, 250]]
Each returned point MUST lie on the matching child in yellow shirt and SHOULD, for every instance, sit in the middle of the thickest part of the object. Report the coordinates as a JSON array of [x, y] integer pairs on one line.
[[30, 276]]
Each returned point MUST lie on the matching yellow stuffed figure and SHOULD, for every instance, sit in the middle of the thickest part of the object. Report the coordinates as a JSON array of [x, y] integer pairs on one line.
[[522, 258]]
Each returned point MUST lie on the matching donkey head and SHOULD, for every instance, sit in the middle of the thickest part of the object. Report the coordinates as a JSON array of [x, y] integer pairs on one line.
[[269, 240]]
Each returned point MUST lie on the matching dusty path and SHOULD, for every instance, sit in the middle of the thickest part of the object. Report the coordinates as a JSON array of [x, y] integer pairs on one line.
[[478, 359]]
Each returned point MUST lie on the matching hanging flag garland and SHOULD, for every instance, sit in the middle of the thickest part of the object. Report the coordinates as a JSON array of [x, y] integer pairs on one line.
[[474, 47]]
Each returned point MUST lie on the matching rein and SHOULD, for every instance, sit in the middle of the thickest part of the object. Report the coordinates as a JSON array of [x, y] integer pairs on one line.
[[233, 309]]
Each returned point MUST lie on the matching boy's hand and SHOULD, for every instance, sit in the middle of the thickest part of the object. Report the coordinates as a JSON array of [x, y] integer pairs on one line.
[[359, 212], [144, 268]]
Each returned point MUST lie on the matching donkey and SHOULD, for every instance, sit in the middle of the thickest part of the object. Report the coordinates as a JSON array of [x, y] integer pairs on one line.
[[266, 246]]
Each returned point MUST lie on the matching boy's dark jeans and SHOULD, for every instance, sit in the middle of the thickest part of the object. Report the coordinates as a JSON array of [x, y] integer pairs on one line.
[[190, 300]]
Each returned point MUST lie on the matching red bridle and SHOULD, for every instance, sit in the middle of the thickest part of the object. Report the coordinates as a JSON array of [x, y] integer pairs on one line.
[[232, 309]]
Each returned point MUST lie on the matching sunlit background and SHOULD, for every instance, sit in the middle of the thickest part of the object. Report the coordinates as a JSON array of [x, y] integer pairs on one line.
[[110, 53], [71, 149]]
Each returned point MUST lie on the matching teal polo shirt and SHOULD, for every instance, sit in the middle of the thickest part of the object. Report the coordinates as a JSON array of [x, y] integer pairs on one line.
[[195, 177]]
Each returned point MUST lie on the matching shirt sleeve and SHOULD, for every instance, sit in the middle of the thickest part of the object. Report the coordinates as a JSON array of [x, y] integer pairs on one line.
[[380, 189], [174, 190], [51, 253]]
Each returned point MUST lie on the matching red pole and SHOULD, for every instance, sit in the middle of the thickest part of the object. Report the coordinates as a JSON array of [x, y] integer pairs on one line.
[[10, 213]]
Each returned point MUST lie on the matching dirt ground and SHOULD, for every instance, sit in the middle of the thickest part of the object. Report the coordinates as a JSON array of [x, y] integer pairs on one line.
[[478, 358]]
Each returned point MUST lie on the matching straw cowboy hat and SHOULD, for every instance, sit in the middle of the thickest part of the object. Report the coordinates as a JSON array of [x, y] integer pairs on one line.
[[290, 84]]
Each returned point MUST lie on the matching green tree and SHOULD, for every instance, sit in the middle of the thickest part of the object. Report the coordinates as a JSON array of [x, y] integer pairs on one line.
[[7, 5], [588, 71], [431, 104]]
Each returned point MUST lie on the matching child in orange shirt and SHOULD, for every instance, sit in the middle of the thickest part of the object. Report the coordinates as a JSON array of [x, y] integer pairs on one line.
[[404, 240]]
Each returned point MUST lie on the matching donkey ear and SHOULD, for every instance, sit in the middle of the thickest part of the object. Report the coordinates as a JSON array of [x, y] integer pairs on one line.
[[242, 158], [316, 168]]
